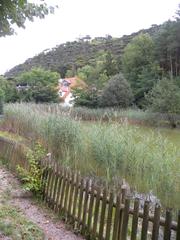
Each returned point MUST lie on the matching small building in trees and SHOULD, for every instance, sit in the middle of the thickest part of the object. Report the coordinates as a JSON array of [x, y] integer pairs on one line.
[[65, 87]]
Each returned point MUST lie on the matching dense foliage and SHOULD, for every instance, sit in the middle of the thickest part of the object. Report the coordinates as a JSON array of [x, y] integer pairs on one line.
[[74, 55], [144, 58], [117, 93], [165, 98], [1, 100], [16, 12], [37, 85]]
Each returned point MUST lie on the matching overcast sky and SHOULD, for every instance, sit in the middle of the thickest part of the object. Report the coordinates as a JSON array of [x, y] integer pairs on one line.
[[77, 18]]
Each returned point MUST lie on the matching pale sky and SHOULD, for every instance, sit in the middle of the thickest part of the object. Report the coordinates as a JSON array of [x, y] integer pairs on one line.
[[77, 18]]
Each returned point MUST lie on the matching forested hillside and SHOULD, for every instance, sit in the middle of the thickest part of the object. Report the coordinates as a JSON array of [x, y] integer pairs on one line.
[[73, 55], [141, 69]]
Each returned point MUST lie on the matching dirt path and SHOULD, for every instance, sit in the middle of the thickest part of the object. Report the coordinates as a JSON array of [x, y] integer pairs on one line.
[[43, 218]]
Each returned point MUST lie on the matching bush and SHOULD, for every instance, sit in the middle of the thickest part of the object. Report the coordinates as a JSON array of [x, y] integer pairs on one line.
[[41, 86], [117, 93], [165, 98], [1, 100], [32, 177]]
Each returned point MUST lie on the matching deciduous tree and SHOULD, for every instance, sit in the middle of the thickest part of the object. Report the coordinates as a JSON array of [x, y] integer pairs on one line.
[[16, 12], [165, 98], [117, 92]]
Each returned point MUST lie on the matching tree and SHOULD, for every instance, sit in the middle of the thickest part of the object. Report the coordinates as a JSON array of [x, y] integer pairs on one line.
[[165, 98], [41, 85], [1, 100], [117, 92], [109, 64], [86, 97], [139, 66], [16, 12], [167, 48], [8, 87]]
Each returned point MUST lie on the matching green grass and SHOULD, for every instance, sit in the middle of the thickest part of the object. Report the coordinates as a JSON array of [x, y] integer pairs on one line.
[[107, 149], [14, 225]]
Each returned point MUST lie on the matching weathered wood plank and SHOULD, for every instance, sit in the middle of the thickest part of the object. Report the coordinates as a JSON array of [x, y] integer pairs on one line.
[[102, 217], [135, 220], [155, 232], [86, 198], [109, 217], [167, 227], [178, 227], [145, 221], [116, 218], [125, 219], [96, 212]]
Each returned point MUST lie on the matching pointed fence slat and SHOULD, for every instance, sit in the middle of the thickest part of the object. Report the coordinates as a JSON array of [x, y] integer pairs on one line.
[[44, 182], [116, 218], [86, 197], [75, 197], [96, 212], [65, 209], [145, 221], [54, 196], [70, 201], [125, 219], [52, 189], [155, 232], [102, 217], [167, 227], [90, 211], [135, 220], [59, 185], [178, 227], [80, 202], [62, 193], [48, 184], [109, 217]]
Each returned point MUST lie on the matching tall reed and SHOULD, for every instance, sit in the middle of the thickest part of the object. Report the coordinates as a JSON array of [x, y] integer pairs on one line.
[[148, 162]]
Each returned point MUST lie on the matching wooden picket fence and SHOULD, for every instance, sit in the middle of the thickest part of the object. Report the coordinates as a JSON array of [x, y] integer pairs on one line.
[[93, 211], [98, 213]]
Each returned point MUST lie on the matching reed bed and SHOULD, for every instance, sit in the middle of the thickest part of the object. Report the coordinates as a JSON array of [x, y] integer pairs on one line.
[[110, 150], [133, 115]]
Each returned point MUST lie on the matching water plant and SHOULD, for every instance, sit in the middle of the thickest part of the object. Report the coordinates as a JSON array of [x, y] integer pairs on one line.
[[108, 149]]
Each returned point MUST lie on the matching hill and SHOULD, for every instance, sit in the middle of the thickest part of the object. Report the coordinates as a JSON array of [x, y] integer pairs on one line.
[[72, 55]]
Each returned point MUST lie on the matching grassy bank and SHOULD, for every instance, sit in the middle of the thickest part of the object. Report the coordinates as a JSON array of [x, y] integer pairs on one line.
[[147, 161]]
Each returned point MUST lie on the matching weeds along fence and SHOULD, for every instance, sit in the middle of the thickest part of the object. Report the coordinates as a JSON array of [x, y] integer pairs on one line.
[[95, 212], [99, 213]]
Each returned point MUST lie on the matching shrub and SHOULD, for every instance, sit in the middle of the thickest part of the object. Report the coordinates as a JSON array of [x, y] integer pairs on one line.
[[165, 98], [1, 100], [32, 177], [117, 93]]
